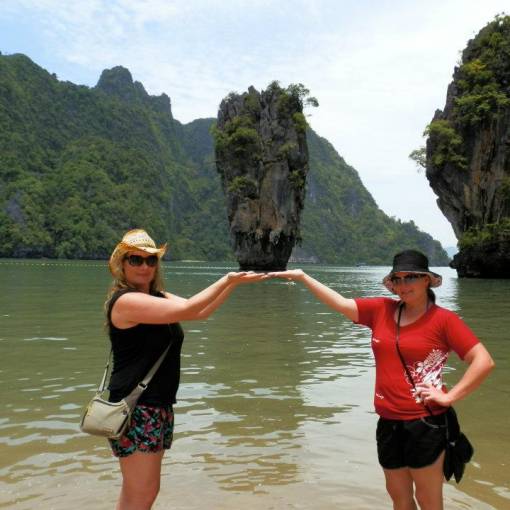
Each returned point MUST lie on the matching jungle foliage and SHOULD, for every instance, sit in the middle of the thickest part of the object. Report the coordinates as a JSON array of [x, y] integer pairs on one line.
[[79, 166], [489, 234], [481, 89]]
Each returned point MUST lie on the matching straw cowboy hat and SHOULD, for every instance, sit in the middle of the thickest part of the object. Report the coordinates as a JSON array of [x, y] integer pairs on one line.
[[136, 239], [411, 261]]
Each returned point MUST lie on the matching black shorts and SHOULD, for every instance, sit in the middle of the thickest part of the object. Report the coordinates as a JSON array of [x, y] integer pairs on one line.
[[410, 443]]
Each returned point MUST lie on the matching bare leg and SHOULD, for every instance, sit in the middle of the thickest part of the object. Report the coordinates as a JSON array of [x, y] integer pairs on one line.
[[141, 473], [429, 485], [399, 485]]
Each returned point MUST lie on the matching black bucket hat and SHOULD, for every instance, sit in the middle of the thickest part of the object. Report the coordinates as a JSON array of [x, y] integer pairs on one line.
[[411, 261]]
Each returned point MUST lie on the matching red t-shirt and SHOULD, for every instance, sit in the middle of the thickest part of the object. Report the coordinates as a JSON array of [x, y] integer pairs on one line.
[[424, 345]]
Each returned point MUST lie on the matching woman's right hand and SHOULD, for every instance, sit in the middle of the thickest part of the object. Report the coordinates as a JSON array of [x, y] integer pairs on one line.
[[291, 274]]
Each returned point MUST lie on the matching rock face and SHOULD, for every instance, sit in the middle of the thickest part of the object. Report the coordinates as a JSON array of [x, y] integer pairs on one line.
[[468, 154], [262, 157], [119, 82], [488, 260]]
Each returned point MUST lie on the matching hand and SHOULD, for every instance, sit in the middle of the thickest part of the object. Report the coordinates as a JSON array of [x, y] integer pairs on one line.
[[246, 277], [429, 393], [291, 274]]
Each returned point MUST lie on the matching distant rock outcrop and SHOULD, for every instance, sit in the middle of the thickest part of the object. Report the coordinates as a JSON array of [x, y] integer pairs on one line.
[[468, 154], [118, 82], [262, 157]]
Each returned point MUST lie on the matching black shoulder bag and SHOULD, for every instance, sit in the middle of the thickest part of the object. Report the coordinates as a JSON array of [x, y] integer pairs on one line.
[[458, 449]]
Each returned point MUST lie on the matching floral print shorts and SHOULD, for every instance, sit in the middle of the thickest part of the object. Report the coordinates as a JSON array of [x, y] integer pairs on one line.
[[150, 431]]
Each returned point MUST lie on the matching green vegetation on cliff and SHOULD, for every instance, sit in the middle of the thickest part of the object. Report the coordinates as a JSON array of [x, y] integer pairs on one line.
[[467, 154], [490, 233], [342, 222], [481, 90], [447, 143], [81, 165]]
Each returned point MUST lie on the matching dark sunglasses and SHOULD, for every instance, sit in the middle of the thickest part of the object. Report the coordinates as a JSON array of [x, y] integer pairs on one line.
[[138, 260], [408, 278]]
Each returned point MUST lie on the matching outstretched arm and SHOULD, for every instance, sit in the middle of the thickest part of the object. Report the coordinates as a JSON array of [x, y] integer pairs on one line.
[[480, 364], [136, 307], [222, 297], [328, 296]]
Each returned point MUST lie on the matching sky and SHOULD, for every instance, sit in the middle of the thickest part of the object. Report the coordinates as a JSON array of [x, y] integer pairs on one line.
[[378, 68]]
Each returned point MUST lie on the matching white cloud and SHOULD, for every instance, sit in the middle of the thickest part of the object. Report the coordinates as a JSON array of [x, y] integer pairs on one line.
[[379, 69]]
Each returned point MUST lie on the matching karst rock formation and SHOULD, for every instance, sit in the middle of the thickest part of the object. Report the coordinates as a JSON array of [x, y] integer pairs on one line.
[[262, 158], [468, 154]]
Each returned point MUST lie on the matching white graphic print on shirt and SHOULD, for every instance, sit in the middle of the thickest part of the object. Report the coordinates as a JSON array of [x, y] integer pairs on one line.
[[428, 371]]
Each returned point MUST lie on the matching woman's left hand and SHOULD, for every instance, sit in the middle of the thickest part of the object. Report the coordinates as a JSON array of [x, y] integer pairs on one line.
[[246, 277], [428, 393]]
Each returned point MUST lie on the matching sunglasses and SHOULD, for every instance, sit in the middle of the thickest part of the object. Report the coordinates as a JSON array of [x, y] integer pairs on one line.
[[408, 278], [138, 260]]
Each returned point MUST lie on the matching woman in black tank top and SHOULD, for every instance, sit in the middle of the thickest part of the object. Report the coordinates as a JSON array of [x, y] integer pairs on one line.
[[143, 321]]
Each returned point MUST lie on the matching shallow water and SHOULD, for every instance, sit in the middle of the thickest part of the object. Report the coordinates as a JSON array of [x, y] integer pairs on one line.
[[275, 405]]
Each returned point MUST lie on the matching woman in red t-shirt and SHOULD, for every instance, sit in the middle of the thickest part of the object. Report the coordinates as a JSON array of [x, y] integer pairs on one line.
[[410, 398]]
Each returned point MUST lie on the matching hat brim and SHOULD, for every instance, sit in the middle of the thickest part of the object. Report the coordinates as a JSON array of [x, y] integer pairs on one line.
[[435, 279]]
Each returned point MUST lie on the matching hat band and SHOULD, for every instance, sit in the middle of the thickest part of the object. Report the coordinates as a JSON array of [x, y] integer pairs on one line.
[[410, 269]]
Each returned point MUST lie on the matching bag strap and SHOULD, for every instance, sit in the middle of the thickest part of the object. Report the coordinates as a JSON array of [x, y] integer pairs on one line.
[[133, 397], [410, 377], [101, 386]]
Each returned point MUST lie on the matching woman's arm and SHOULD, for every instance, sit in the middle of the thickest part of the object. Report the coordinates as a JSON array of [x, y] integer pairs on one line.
[[214, 305], [211, 307], [480, 364], [328, 296], [136, 307]]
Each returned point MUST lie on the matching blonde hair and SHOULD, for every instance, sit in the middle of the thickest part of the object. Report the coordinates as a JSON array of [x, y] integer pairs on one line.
[[121, 283], [116, 265]]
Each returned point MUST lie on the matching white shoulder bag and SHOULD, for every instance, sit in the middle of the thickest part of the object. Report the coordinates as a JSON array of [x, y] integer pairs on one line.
[[110, 419]]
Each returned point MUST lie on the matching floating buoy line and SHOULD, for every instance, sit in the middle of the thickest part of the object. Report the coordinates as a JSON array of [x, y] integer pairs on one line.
[[47, 263]]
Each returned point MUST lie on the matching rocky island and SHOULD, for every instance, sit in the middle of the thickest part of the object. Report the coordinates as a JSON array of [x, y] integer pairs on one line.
[[262, 158], [467, 155]]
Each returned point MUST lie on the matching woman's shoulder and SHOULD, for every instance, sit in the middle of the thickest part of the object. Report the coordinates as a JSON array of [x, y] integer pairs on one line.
[[445, 319], [378, 301], [114, 297], [376, 305], [445, 314], [117, 293]]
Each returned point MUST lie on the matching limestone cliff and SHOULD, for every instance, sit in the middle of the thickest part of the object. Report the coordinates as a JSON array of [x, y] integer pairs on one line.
[[468, 154], [262, 157]]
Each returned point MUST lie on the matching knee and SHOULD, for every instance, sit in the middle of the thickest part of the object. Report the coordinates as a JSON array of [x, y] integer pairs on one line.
[[428, 498], [150, 492], [423, 499], [402, 496], [143, 496]]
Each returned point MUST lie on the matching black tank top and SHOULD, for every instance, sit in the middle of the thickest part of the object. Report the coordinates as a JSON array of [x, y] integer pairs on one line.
[[136, 349]]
